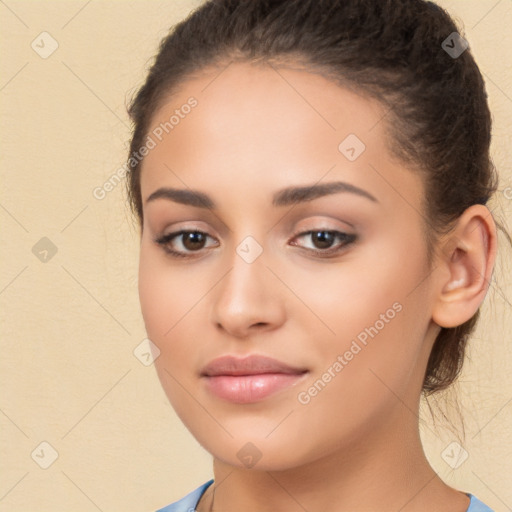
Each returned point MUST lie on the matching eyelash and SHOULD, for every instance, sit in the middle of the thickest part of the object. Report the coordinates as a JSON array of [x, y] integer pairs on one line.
[[347, 238]]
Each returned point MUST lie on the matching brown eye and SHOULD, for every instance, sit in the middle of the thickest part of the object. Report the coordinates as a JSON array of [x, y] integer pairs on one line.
[[323, 240], [193, 240], [188, 242]]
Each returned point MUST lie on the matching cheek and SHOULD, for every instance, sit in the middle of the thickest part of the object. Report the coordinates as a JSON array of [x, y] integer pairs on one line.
[[152, 296], [167, 308], [375, 304], [372, 364], [163, 297], [163, 292], [172, 302], [342, 300]]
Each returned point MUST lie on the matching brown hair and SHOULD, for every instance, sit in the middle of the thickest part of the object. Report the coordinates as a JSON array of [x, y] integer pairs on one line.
[[392, 50]]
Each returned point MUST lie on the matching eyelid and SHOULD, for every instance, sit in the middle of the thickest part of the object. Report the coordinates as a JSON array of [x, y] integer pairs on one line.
[[347, 239]]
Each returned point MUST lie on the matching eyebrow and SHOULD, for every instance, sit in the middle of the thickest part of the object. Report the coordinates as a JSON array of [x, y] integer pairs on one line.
[[285, 197]]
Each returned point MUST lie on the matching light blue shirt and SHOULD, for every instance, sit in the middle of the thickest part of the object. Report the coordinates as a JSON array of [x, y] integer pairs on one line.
[[189, 502]]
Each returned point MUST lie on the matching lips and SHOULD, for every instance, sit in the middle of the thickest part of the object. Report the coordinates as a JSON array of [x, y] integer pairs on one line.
[[249, 379], [251, 365]]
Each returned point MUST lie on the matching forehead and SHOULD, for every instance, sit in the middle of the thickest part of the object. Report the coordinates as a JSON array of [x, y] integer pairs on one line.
[[265, 101], [263, 127]]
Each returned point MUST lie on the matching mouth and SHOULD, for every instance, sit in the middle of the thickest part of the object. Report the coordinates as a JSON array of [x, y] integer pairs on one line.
[[250, 379]]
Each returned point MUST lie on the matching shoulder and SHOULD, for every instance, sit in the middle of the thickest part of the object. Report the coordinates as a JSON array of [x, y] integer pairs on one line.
[[188, 503], [475, 505]]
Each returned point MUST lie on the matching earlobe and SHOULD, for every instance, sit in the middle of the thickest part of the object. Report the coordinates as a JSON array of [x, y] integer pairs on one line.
[[465, 267]]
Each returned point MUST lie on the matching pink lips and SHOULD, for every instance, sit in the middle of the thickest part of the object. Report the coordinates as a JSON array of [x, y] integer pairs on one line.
[[249, 379]]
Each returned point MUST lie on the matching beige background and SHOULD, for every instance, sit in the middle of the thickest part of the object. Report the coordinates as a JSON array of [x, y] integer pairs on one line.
[[70, 324]]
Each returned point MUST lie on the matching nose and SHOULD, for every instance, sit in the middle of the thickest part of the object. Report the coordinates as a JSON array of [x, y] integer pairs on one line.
[[248, 299]]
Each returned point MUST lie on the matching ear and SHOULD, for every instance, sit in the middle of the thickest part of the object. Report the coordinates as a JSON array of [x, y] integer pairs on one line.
[[464, 267]]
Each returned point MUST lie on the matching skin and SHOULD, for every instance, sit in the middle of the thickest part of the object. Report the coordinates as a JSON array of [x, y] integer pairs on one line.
[[356, 444]]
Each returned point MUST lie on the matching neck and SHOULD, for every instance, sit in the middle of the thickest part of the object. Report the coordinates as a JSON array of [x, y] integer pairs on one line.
[[383, 469]]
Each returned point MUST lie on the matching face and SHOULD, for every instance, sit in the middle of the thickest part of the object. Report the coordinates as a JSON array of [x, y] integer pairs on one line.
[[331, 282]]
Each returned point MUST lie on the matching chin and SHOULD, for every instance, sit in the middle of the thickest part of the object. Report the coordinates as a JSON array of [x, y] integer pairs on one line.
[[254, 453]]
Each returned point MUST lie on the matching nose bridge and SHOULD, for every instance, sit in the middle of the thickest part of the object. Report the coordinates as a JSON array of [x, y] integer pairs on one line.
[[247, 249], [247, 262], [246, 295]]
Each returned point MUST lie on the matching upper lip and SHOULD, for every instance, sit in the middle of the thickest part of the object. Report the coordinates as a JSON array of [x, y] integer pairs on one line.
[[250, 365]]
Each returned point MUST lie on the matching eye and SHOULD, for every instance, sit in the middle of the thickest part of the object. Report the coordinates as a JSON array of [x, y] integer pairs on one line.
[[190, 242], [193, 241], [323, 240]]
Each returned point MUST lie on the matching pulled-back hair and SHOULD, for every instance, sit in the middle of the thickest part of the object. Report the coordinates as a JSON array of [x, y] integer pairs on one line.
[[437, 117]]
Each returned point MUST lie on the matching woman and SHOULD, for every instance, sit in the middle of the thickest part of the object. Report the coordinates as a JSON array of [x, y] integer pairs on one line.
[[310, 178]]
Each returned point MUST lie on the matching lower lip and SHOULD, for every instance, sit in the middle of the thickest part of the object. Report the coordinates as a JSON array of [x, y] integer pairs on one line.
[[246, 389]]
